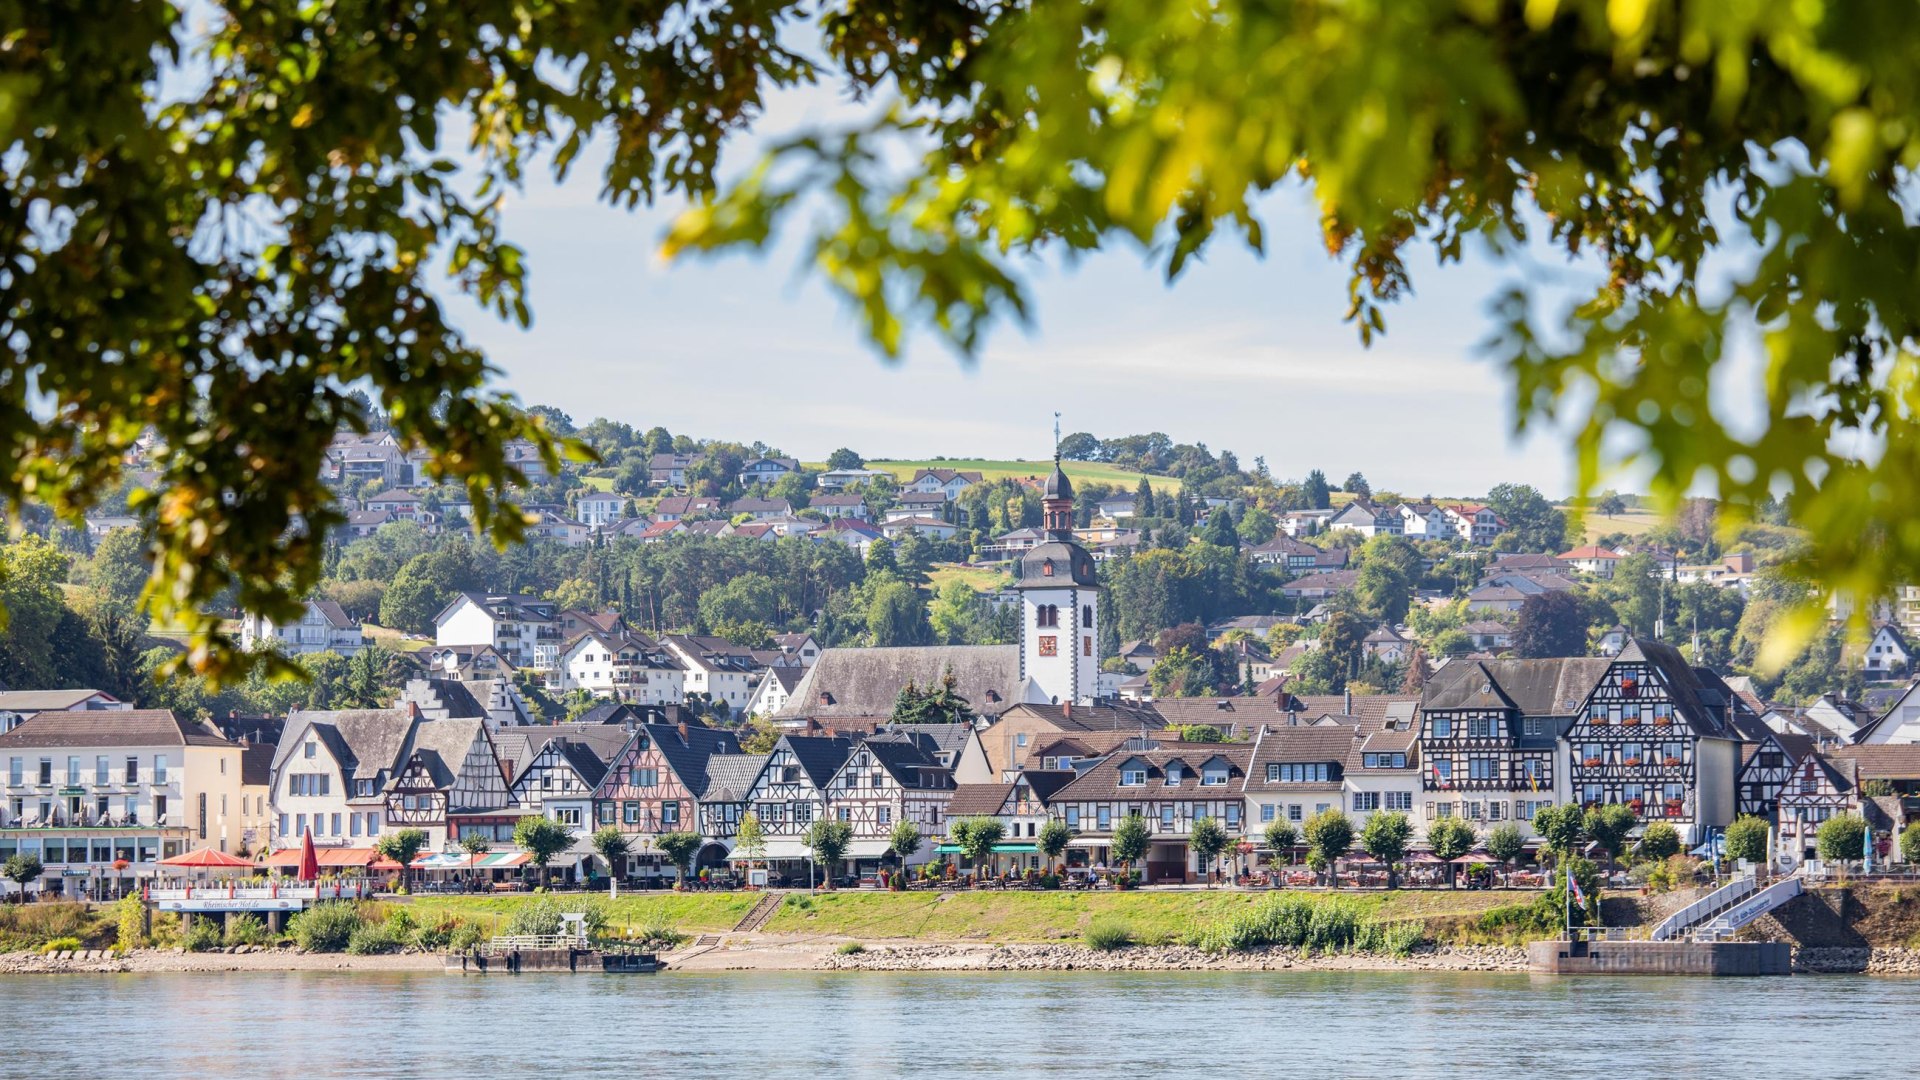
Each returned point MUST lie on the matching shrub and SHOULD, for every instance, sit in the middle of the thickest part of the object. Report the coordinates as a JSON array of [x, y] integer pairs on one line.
[[1050, 882], [851, 948], [247, 930], [326, 927], [1324, 925], [204, 934], [128, 923], [541, 915], [1106, 934], [369, 939], [799, 903], [65, 944], [439, 936], [465, 937], [660, 936]]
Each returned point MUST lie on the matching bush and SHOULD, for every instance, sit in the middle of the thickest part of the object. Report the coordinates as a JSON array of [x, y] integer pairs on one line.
[[326, 927], [1050, 882], [541, 916], [1324, 925], [247, 930], [851, 948], [203, 935], [33, 925], [369, 939], [799, 903], [465, 937], [65, 944], [129, 919], [439, 936], [659, 936], [1108, 934]]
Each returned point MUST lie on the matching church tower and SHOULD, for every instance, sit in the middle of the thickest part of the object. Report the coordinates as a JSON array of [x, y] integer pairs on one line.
[[1060, 606]]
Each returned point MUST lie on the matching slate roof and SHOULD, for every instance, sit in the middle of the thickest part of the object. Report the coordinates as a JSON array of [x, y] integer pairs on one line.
[[366, 742], [256, 765], [978, 800], [691, 752], [731, 776], [1102, 780], [865, 682], [909, 764], [110, 727], [517, 747], [819, 756], [1683, 686], [1554, 686], [442, 746]]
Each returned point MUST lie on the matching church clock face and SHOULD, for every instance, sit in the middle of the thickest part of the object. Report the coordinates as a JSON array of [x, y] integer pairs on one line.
[[1049, 645]]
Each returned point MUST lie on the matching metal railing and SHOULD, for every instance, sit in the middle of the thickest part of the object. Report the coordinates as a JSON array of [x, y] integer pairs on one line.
[[1704, 908], [1759, 904]]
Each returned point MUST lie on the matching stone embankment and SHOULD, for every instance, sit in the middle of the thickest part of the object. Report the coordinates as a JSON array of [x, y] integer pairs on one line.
[[237, 958], [1845, 961], [1051, 957]]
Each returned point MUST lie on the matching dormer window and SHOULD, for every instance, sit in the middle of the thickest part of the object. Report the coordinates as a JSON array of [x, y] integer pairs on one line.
[[1046, 568], [1174, 774], [1213, 775], [1133, 776]]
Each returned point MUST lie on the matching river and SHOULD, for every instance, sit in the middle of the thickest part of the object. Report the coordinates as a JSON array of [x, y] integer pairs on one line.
[[1318, 1024]]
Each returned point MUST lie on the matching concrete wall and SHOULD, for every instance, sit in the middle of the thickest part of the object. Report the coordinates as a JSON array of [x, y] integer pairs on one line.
[[1660, 958]]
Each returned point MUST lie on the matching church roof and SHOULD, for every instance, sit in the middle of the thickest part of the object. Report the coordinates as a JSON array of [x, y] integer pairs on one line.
[[1056, 564], [1057, 486]]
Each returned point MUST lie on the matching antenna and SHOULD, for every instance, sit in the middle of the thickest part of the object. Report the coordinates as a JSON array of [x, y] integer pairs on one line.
[[1056, 435]]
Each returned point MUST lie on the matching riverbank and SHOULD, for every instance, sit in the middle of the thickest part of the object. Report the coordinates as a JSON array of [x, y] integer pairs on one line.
[[803, 952]]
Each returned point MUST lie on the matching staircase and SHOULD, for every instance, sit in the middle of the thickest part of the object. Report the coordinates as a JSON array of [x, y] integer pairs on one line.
[[1724, 924], [1681, 922], [706, 941], [758, 915]]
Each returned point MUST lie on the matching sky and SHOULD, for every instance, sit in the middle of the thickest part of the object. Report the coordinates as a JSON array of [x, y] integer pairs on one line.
[[1242, 353]]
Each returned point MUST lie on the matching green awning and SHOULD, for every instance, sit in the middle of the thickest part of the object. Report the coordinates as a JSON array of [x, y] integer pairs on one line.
[[998, 849]]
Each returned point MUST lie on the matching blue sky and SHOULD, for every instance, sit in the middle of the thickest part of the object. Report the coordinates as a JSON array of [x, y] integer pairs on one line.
[[1242, 353]]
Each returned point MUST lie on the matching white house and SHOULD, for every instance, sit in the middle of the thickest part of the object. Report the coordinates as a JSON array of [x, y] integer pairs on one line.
[[17, 705], [1592, 559], [947, 482], [622, 667], [1887, 655], [776, 686], [939, 530], [524, 629], [1473, 523], [1367, 519], [715, 667], [323, 627], [766, 470], [598, 508], [841, 506]]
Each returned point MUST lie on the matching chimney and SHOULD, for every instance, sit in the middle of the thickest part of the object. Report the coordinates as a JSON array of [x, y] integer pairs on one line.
[[683, 731], [1348, 701], [1066, 709]]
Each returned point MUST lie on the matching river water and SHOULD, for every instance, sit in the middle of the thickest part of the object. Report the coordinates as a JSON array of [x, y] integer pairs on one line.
[[1134, 1025]]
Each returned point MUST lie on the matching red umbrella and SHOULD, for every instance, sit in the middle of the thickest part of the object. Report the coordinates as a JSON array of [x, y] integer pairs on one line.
[[206, 859], [309, 859]]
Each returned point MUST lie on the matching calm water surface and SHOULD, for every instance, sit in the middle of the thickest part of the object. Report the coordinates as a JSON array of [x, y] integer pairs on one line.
[[1323, 1024]]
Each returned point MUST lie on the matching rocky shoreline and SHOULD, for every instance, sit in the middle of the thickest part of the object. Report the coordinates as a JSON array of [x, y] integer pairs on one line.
[[1059, 957]]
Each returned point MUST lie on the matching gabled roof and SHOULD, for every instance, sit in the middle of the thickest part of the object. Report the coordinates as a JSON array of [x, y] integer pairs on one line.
[[110, 727], [1102, 780], [865, 683], [1554, 686], [1299, 745], [1104, 716], [29, 701], [909, 763], [366, 743], [818, 756], [979, 800], [1683, 686], [730, 777], [691, 751]]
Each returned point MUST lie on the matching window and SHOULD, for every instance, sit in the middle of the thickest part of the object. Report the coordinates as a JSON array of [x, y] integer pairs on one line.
[[1294, 814], [886, 815], [1769, 759], [607, 812], [1481, 768], [73, 769], [1590, 793], [1364, 801], [16, 771], [1233, 815], [1266, 812], [160, 768], [1216, 775], [1445, 809], [1443, 727], [101, 769], [283, 824], [1399, 800], [1496, 811], [1132, 777], [1631, 752], [1295, 772], [845, 814], [670, 812], [363, 787], [336, 824], [46, 770], [646, 777], [1590, 752], [310, 750], [1480, 727], [1166, 816], [1020, 740], [1535, 726], [1086, 615], [133, 770], [1105, 818], [1046, 614], [299, 824], [1809, 786], [353, 824], [1475, 811], [1443, 769], [630, 813], [567, 815], [1073, 817]]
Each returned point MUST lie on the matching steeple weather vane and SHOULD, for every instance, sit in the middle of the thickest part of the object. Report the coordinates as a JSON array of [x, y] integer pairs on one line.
[[1056, 436]]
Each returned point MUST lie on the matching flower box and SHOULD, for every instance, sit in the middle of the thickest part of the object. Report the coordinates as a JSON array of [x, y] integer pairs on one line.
[[1663, 721], [1671, 763], [1591, 763], [1630, 762], [1631, 721]]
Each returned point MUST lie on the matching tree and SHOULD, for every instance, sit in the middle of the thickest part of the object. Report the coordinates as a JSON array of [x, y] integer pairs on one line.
[[612, 845], [1532, 522], [937, 705], [1257, 526], [1660, 841], [1356, 484], [1199, 733], [21, 869], [119, 568], [1910, 843], [1181, 673], [1329, 836], [423, 587], [1053, 840], [750, 840], [1079, 446], [1386, 836], [1281, 838], [828, 838], [904, 841], [1746, 839], [1207, 839], [1383, 592], [475, 845], [541, 838], [1561, 827], [1842, 838], [1130, 839], [680, 847], [401, 847], [1450, 838], [844, 458], [1506, 842], [977, 839], [1610, 504], [1609, 825], [1551, 624], [1316, 492]]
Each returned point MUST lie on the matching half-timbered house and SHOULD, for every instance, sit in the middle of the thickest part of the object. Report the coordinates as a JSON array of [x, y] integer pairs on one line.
[[1818, 789], [1490, 732], [1647, 739], [1771, 760], [791, 793], [1019, 805], [1171, 788], [447, 768], [659, 782], [887, 779], [560, 783]]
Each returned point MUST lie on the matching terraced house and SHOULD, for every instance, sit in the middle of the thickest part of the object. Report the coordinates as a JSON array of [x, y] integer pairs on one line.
[[791, 792], [663, 780], [888, 779], [1171, 787]]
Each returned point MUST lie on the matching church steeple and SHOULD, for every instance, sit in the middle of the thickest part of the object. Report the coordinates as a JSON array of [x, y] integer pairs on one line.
[[1056, 499]]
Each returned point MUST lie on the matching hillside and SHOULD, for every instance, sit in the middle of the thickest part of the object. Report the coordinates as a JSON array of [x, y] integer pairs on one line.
[[1090, 471]]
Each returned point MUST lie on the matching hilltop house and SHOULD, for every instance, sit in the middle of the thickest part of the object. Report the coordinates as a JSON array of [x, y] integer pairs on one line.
[[323, 627]]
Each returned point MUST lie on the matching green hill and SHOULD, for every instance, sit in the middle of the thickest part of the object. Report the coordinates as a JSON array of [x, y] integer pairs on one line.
[[1093, 472]]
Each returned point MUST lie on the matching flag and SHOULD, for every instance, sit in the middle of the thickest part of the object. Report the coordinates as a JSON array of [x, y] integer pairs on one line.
[[1573, 889], [1866, 849]]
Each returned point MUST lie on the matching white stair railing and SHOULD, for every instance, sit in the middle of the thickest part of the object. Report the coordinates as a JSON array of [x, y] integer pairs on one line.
[[1678, 923]]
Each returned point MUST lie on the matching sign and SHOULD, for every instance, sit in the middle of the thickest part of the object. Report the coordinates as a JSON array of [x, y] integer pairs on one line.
[[236, 903]]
